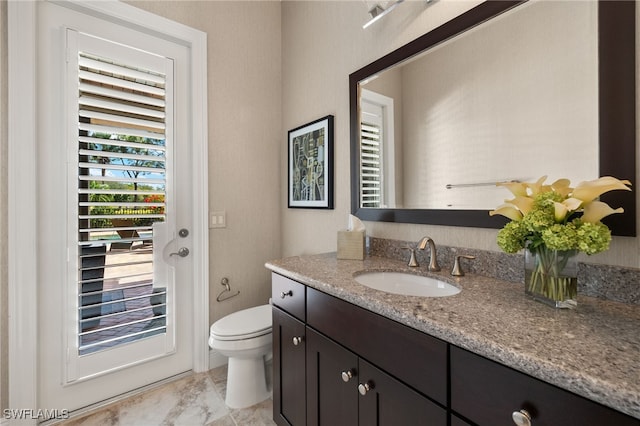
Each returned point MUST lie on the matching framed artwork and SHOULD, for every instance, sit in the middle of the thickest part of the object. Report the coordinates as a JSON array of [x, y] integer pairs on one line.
[[310, 165]]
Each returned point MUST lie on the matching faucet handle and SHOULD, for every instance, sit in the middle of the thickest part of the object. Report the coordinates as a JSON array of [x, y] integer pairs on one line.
[[413, 262], [457, 269]]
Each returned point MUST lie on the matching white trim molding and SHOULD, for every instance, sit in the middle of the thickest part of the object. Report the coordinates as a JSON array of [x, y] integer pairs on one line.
[[22, 206]]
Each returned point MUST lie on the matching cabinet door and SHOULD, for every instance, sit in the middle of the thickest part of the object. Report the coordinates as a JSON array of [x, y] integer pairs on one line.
[[385, 401], [332, 400], [288, 370]]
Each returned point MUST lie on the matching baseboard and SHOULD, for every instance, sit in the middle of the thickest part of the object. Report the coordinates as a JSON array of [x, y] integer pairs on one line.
[[216, 359]]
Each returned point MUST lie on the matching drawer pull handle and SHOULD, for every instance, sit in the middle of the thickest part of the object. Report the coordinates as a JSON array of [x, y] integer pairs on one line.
[[285, 294], [521, 418], [297, 340], [348, 375], [363, 388]]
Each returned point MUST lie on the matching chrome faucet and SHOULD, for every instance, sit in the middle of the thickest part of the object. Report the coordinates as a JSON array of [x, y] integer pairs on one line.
[[433, 257]]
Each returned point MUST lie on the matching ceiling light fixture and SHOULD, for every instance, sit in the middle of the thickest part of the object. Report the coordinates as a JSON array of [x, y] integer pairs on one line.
[[377, 12]]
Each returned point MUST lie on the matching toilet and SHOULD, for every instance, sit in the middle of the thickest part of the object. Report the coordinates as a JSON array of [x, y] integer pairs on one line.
[[245, 338]]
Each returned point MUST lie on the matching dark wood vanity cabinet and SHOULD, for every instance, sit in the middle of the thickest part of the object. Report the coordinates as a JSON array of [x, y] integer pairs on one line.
[[487, 393], [344, 389], [289, 341], [457, 421], [349, 366], [338, 364]]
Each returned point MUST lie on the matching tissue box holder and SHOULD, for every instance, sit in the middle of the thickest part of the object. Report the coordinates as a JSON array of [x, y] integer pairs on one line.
[[351, 245]]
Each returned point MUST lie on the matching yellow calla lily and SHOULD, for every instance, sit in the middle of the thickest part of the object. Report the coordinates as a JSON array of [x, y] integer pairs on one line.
[[508, 211], [516, 188], [565, 207], [524, 204], [560, 211], [590, 190], [572, 203], [561, 186], [596, 210], [537, 187]]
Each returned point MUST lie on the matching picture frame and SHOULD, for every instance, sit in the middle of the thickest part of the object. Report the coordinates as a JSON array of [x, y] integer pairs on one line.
[[310, 165]]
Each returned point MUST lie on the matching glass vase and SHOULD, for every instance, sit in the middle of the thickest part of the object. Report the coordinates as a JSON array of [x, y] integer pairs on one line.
[[551, 276]]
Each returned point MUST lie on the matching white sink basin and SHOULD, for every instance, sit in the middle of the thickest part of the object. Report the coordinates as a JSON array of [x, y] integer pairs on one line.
[[406, 284]]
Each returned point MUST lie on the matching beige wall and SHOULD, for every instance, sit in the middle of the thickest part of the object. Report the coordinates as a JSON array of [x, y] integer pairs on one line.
[[323, 42], [245, 138]]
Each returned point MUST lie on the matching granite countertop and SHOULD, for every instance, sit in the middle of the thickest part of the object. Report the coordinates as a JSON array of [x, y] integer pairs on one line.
[[593, 351]]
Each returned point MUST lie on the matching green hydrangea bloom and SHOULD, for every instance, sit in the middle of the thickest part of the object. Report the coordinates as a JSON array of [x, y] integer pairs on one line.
[[511, 238], [592, 238], [561, 237], [538, 220], [545, 200]]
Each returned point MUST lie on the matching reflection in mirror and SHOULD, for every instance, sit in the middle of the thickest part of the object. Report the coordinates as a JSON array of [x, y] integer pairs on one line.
[[510, 99], [378, 147], [473, 116]]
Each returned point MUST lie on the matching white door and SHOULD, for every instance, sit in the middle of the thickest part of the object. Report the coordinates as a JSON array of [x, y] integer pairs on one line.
[[115, 224]]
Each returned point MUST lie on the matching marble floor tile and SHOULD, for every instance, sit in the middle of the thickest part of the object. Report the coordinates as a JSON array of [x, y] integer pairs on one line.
[[196, 400]]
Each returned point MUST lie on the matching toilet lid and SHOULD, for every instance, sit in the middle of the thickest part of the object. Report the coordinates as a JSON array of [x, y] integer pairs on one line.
[[243, 324]]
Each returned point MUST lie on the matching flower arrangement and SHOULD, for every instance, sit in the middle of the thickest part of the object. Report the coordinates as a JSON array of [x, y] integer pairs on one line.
[[548, 215], [553, 222]]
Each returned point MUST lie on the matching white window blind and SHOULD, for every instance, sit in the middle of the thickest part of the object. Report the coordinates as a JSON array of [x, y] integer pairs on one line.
[[121, 193], [370, 162]]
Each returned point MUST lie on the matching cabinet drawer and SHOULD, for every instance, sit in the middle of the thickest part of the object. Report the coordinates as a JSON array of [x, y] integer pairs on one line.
[[413, 357], [487, 393], [288, 295]]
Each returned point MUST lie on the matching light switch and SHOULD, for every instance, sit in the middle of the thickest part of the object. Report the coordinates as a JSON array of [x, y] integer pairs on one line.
[[218, 219]]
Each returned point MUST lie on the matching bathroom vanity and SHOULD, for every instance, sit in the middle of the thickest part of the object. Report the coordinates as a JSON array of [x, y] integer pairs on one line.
[[347, 354]]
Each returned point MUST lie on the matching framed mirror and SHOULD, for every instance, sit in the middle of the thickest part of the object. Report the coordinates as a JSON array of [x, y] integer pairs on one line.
[[509, 90]]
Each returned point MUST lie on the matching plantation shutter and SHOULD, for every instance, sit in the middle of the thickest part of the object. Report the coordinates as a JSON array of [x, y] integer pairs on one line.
[[121, 194], [370, 160]]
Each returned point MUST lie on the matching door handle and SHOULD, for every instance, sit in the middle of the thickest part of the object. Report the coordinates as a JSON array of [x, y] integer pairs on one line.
[[182, 252]]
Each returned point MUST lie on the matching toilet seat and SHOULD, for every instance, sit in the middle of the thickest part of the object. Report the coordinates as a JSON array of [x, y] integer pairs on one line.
[[244, 324]]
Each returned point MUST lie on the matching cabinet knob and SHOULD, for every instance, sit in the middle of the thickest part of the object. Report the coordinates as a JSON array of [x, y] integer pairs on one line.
[[297, 340], [348, 375], [285, 294], [363, 388], [521, 418]]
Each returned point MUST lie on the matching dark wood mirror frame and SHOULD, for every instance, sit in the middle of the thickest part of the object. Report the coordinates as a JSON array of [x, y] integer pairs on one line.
[[617, 114]]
